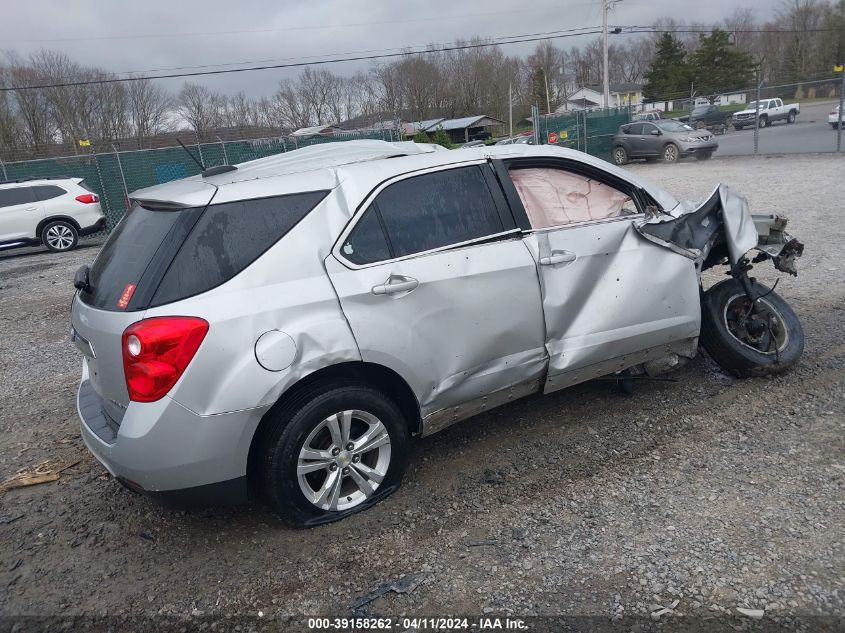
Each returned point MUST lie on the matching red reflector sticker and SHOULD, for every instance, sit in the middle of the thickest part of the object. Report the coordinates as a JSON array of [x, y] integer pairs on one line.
[[126, 296]]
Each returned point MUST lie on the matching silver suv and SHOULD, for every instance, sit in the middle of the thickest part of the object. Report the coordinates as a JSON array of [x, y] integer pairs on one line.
[[287, 325]]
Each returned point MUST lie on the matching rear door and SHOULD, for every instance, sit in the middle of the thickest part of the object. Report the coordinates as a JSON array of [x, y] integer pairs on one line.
[[611, 299], [20, 213], [437, 285]]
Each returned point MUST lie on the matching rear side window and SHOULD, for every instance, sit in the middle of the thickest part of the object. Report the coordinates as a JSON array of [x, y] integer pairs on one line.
[[229, 237], [438, 209], [16, 195], [48, 192], [367, 243]]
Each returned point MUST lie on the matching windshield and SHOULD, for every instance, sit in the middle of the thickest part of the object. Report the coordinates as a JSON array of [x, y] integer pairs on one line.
[[753, 105], [672, 126]]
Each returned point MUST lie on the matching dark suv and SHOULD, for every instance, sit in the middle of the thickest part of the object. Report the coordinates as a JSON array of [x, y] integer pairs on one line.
[[706, 116]]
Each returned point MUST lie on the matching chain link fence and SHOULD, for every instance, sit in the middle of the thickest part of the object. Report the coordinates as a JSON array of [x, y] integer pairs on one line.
[[589, 131], [113, 175]]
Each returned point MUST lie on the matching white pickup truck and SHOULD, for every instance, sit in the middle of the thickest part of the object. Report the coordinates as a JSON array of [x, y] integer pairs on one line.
[[771, 110]]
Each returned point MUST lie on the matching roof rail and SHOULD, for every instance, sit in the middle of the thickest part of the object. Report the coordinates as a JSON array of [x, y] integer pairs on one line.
[[31, 178]]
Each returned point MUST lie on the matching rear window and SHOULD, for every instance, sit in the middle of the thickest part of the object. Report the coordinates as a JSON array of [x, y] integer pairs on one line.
[[158, 256], [126, 255]]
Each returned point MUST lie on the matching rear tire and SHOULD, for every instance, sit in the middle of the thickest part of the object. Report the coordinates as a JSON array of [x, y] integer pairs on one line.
[[59, 236], [733, 347], [314, 443], [620, 155], [790, 118]]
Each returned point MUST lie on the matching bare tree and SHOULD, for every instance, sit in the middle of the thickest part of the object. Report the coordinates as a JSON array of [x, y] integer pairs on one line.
[[150, 107], [199, 107]]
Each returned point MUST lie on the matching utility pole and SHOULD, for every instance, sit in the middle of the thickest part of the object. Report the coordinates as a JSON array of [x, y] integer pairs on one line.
[[605, 5], [841, 121], [510, 109], [548, 102], [757, 112]]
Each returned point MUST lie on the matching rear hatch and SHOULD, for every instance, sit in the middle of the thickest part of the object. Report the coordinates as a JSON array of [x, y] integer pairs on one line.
[[163, 252], [121, 283]]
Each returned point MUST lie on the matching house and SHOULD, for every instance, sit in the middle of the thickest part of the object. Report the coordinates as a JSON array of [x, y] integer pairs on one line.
[[461, 130], [621, 95]]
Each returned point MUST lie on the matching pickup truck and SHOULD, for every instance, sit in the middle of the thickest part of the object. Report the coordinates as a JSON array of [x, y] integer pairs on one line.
[[771, 110]]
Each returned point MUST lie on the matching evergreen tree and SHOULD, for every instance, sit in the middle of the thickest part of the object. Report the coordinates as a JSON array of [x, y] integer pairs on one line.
[[421, 137], [441, 138], [718, 66], [669, 75]]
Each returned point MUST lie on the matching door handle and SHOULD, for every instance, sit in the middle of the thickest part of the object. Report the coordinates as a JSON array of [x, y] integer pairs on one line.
[[395, 284], [558, 257], [31, 209]]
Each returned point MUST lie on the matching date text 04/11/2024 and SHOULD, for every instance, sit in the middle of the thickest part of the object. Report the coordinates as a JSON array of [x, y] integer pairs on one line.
[[421, 623]]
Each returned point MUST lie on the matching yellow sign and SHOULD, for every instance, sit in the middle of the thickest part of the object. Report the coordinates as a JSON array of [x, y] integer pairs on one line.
[[563, 134], [84, 142], [839, 68]]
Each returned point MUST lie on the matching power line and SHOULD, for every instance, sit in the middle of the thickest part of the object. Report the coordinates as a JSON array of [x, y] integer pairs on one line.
[[512, 39], [651, 29]]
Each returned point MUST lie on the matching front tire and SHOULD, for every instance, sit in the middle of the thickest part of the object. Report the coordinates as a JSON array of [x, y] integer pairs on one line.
[[620, 155], [59, 236], [671, 153], [769, 342], [331, 451], [764, 121]]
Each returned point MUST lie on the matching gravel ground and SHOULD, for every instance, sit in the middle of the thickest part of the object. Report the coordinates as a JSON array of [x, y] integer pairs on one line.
[[702, 495]]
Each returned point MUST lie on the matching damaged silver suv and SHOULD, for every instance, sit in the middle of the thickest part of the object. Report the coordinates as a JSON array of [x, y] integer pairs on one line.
[[287, 325]]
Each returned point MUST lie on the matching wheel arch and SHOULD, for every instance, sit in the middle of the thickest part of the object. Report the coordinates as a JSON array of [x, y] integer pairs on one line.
[[55, 218], [357, 372]]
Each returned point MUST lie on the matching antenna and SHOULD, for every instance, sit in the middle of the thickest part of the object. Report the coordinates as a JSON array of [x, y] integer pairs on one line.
[[194, 158]]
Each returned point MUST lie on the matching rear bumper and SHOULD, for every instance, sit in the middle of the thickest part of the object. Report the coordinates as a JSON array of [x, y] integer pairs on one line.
[[99, 225], [169, 452]]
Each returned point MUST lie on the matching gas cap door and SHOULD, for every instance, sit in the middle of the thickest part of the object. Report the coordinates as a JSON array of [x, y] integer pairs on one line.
[[275, 350]]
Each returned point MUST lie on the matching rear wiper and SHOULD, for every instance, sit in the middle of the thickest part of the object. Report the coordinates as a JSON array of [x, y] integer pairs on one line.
[[80, 279]]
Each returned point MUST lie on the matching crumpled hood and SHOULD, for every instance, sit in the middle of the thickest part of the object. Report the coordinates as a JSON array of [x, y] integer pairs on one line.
[[690, 231]]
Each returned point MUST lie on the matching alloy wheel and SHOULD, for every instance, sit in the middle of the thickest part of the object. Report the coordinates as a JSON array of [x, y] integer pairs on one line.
[[343, 460], [59, 237]]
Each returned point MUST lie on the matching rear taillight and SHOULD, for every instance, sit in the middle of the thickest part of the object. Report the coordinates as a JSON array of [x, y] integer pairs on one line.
[[156, 352], [87, 198]]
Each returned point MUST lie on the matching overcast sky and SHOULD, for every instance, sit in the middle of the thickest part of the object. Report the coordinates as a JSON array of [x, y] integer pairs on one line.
[[141, 36]]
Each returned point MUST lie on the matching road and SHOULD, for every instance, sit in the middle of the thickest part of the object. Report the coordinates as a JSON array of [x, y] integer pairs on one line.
[[810, 133]]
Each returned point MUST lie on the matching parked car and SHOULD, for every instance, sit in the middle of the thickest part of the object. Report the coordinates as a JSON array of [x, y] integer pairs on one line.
[[652, 115], [49, 211], [517, 140], [288, 324], [668, 140], [706, 116], [835, 118], [770, 110]]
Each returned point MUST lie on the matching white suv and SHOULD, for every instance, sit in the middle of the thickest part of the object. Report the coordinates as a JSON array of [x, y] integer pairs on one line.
[[49, 211]]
